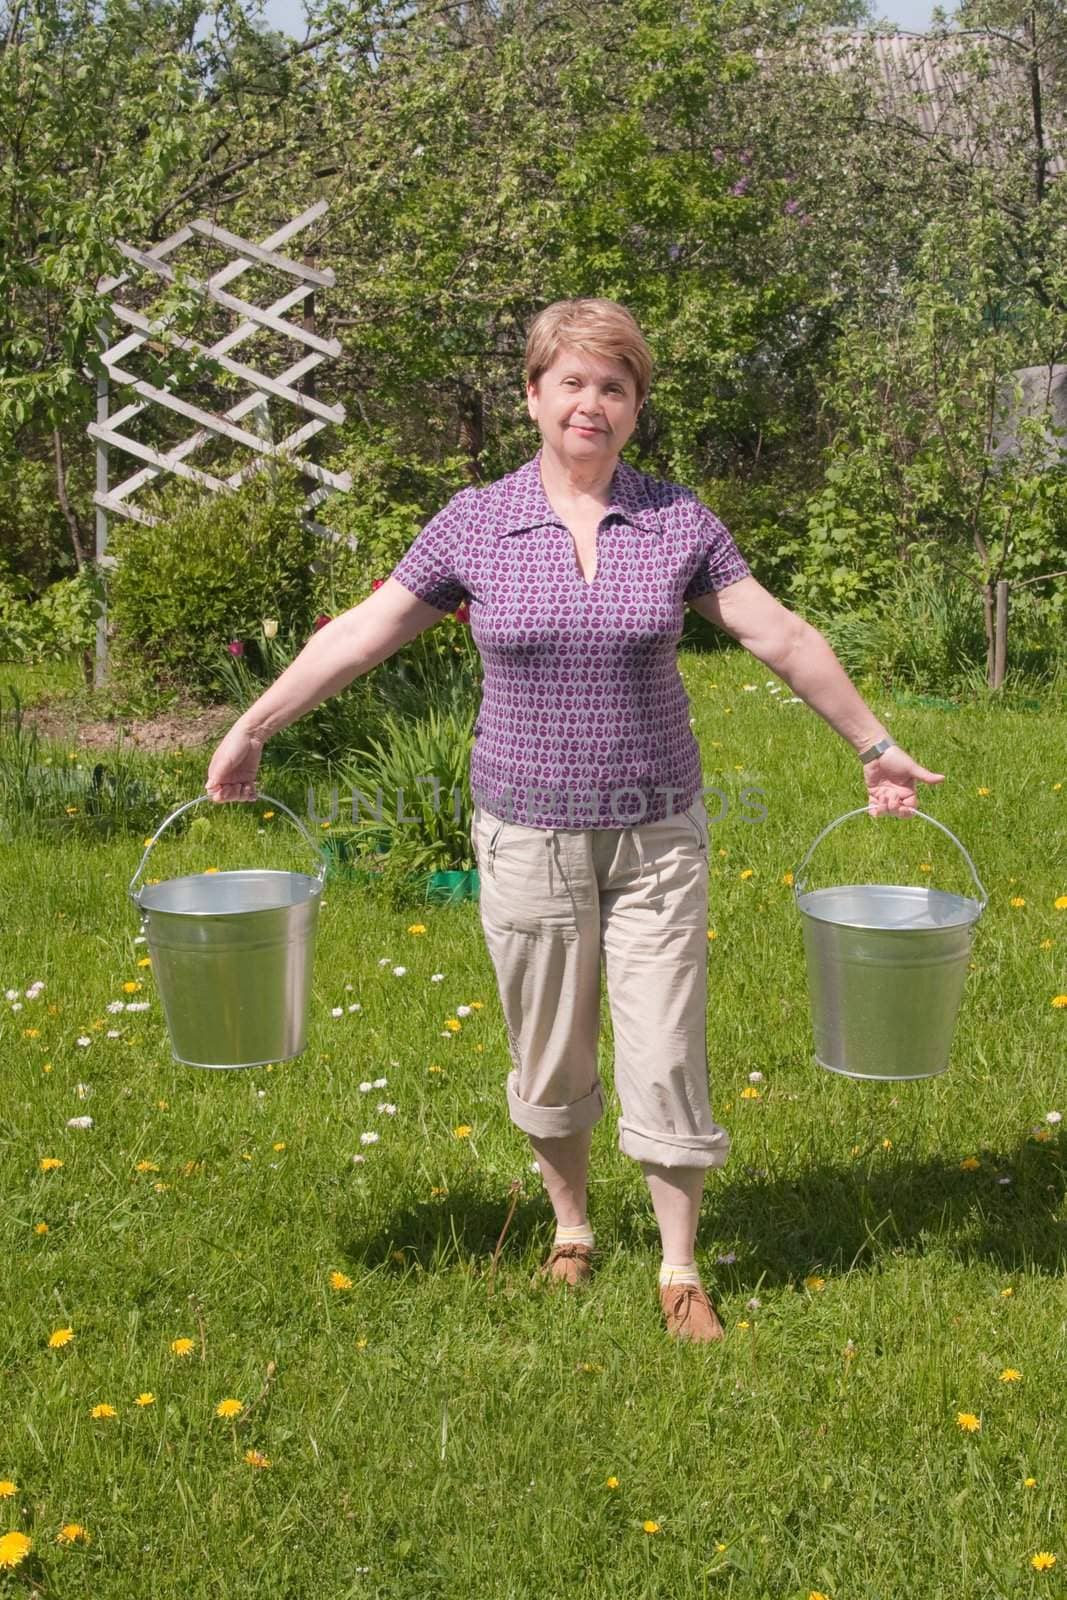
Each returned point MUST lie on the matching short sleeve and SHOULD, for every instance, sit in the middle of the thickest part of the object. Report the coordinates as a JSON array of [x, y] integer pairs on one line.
[[428, 566], [719, 561]]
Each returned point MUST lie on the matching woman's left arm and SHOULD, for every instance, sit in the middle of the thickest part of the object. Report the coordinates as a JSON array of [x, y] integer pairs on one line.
[[800, 655]]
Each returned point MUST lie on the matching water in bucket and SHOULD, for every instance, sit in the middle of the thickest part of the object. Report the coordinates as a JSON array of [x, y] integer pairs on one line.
[[886, 970], [232, 954]]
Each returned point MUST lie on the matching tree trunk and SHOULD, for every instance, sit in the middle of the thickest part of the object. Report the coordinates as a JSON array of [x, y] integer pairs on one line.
[[64, 501], [990, 631], [471, 430], [1000, 653]]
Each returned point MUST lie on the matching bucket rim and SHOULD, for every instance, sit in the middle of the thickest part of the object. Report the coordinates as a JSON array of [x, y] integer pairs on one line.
[[971, 909], [142, 899]]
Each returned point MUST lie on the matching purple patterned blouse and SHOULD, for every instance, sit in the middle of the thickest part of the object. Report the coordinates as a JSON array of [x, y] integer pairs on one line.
[[584, 721]]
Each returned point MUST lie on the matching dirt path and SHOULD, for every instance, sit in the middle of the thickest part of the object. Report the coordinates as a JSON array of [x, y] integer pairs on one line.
[[173, 730]]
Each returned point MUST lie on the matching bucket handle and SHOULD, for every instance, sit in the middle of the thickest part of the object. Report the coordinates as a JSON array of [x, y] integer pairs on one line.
[[259, 799], [800, 882]]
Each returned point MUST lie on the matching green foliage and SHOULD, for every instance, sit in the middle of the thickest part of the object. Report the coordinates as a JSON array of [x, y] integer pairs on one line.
[[43, 794], [320, 738], [209, 574], [416, 772], [62, 621]]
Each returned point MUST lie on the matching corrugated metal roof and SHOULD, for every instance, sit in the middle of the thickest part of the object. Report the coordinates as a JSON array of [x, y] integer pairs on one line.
[[923, 76]]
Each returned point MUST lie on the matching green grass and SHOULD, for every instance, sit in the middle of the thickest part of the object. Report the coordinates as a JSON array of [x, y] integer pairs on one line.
[[440, 1433]]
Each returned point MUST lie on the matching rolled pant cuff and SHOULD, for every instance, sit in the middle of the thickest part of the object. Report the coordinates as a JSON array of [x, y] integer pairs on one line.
[[554, 1122], [674, 1150]]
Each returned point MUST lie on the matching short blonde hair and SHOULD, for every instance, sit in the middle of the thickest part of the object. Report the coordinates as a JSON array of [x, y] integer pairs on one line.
[[598, 327]]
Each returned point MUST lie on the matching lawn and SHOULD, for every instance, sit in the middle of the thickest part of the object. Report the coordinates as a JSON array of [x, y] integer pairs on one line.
[[315, 1240]]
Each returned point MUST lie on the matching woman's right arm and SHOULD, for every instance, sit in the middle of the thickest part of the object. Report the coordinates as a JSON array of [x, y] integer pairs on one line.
[[344, 649]]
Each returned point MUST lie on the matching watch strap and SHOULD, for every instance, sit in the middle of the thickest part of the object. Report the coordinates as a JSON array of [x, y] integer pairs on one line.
[[876, 750]]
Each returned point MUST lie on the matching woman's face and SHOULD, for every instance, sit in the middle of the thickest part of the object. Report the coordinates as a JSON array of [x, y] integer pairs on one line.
[[585, 406]]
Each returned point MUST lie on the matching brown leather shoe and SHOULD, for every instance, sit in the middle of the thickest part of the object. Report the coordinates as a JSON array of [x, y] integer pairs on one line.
[[689, 1313], [571, 1264]]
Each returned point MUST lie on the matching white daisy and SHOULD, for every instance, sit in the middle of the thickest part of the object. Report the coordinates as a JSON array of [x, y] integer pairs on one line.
[[384, 962], [369, 1138], [463, 1011], [1053, 1117], [386, 1109], [355, 1008], [380, 1083], [755, 1077], [116, 1005], [365, 1087], [80, 1122], [83, 1040], [437, 977], [337, 1011], [399, 972]]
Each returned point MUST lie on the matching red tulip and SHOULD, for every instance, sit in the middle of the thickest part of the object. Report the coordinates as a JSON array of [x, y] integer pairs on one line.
[[462, 612], [320, 621], [376, 583], [235, 647]]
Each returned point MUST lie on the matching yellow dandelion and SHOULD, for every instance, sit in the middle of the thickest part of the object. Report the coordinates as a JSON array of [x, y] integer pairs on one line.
[[433, 1067], [209, 870], [145, 1399], [163, 1105], [161, 1188], [7, 1488], [464, 1131], [926, 866], [1010, 1375], [970, 1164], [1046, 944], [256, 1458], [103, 1412], [361, 1344], [229, 1408], [50, 1163], [815, 1284], [712, 933], [417, 927], [1058, 1000], [40, 1227], [453, 1024], [437, 1192], [719, 1547], [1044, 1561], [984, 792], [1006, 1294], [339, 1281], [748, 1093], [59, 1337], [145, 961], [181, 1347], [266, 815], [31, 1033], [747, 873], [73, 1533], [611, 1483], [817, 1594], [744, 1324], [1060, 902], [787, 879], [477, 1005], [968, 1422], [148, 841], [131, 986], [279, 1146], [14, 1547], [147, 1166], [1017, 900], [1029, 1483], [649, 1526], [887, 1144]]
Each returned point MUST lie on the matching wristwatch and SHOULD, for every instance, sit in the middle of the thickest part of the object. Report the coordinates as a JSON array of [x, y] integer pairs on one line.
[[876, 750]]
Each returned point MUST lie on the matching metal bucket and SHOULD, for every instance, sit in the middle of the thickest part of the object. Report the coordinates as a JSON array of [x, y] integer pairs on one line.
[[886, 970], [232, 954]]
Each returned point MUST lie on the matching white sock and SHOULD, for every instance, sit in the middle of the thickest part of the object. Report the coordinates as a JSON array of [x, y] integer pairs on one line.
[[583, 1234], [672, 1273]]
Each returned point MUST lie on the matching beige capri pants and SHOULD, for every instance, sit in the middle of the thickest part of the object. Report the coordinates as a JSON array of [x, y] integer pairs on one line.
[[553, 900]]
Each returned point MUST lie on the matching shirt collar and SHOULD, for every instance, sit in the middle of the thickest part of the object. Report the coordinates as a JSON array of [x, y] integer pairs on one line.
[[524, 505]]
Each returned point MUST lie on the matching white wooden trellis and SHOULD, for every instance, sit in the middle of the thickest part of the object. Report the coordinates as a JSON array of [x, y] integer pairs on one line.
[[209, 424]]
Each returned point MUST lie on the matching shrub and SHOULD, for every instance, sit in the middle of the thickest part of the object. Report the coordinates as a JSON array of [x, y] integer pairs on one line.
[[209, 573], [52, 627]]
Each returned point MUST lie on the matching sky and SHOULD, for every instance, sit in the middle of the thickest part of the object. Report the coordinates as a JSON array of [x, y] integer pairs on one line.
[[288, 15]]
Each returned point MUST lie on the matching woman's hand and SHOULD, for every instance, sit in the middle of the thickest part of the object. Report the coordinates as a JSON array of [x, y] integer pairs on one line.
[[232, 773], [891, 781]]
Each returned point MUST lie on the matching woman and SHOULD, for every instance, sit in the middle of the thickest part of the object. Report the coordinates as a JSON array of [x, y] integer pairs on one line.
[[589, 824]]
